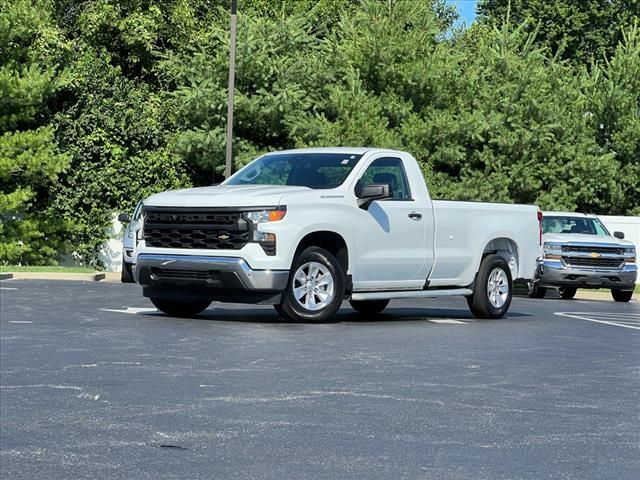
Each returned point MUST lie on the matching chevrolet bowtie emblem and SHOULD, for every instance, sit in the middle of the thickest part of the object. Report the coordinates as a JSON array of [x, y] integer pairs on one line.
[[595, 255], [223, 237]]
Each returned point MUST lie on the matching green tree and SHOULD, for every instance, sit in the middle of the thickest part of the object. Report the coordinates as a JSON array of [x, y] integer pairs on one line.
[[522, 133], [579, 30], [613, 92], [30, 160]]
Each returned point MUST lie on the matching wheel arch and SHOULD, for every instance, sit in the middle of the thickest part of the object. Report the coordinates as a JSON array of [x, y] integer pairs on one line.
[[331, 241], [505, 248]]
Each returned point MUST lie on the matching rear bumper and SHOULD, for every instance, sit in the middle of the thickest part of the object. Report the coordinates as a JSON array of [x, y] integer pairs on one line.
[[553, 273], [198, 277]]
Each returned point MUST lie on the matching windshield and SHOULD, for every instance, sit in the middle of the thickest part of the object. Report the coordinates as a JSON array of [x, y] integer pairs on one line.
[[313, 170], [584, 225]]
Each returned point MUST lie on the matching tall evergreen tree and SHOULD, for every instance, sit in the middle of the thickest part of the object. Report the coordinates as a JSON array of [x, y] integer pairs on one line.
[[30, 160], [579, 30]]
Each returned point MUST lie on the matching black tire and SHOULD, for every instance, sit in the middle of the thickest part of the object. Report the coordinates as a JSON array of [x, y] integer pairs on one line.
[[480, 303], [621, 295], [293, 308], [535, 290], [369, 307], [178, 308], [568, 292], [278, 309], [126, 276]]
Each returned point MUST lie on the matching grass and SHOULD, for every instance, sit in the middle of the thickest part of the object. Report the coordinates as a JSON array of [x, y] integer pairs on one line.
[[45, 269]]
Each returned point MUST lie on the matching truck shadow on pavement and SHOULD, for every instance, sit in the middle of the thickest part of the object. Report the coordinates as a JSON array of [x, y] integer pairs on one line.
[[344, 315]]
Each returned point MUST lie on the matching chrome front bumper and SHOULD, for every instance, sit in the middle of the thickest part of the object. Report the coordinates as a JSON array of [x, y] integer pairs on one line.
[[553, 273], [205, 276]]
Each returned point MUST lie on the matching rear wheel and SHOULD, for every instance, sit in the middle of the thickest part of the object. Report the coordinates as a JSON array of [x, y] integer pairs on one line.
[[493, 289], [568, 292], [622, 295], [369, 307], [178, 308], [535, 290], [315, 289]]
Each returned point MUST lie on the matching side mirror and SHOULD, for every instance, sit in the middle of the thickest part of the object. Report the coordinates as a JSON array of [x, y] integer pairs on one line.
[[124, 218], [619, 235], [371, 192]]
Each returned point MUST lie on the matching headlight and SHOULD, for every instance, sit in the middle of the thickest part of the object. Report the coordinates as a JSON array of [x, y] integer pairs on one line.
[[552, 251], [630, 254], [264, 216]]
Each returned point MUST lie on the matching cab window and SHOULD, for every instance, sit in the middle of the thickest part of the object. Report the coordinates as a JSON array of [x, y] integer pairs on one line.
[[388, 170]]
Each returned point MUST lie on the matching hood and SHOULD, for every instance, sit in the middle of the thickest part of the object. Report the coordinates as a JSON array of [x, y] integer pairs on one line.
[[225, 196], [584, 238]]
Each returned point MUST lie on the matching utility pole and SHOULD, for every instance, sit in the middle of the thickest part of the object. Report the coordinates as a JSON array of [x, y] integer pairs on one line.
[[232, 79]]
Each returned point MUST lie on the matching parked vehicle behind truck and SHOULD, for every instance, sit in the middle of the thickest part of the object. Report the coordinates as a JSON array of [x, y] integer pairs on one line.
[[306, 229], [579, 252], [130, 238]]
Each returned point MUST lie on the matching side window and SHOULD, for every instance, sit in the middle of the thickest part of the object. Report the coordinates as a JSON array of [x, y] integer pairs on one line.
[[600, 229], [137, 213], [388, 170]]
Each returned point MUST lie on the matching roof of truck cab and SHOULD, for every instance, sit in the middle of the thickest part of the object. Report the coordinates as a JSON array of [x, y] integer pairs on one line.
[[569, 214], [338, 150]]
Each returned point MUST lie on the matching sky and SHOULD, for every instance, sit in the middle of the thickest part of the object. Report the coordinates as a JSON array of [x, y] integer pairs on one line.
[[466, 10]]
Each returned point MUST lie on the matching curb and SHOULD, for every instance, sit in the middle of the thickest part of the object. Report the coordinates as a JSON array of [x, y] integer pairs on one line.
[[87, 277], [6, 276], [601, 296]]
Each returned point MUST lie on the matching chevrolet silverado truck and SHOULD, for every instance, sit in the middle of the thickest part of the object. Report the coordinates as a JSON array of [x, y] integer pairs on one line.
[[306, 229], [579, 252]]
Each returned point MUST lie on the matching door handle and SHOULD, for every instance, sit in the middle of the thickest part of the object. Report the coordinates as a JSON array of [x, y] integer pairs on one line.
[[415, 216]]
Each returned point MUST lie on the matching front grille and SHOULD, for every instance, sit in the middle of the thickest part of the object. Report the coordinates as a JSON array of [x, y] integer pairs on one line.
[[196, 238], [587, 249], [197, 228], [593, 262], [161, 273]]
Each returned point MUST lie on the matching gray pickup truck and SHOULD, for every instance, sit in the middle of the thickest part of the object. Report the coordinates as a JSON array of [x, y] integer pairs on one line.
[[579, 252]]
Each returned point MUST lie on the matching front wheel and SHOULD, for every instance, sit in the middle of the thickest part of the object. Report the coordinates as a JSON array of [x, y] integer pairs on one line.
[[568, 292], [535, 290], [493, 289], [621, 295], [179, 308], [315, 289], [126, 275], [369, 307]]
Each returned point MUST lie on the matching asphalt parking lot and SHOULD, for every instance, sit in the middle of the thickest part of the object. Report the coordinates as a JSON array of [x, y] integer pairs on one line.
[[96, 384]]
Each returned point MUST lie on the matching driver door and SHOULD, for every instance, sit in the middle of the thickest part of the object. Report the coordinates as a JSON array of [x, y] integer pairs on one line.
[[390, 233]]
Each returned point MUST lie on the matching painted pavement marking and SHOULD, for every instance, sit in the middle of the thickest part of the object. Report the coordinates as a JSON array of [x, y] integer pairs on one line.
[[625, 320], [132, 310]]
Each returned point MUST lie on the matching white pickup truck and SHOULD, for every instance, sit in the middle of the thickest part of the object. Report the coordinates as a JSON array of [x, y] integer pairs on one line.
[[579, 252], [306, 229]]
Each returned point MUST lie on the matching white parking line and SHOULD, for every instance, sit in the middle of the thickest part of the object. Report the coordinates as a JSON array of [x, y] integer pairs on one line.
[[131, 310], [8, 288], [626, 320], [447, 321]]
